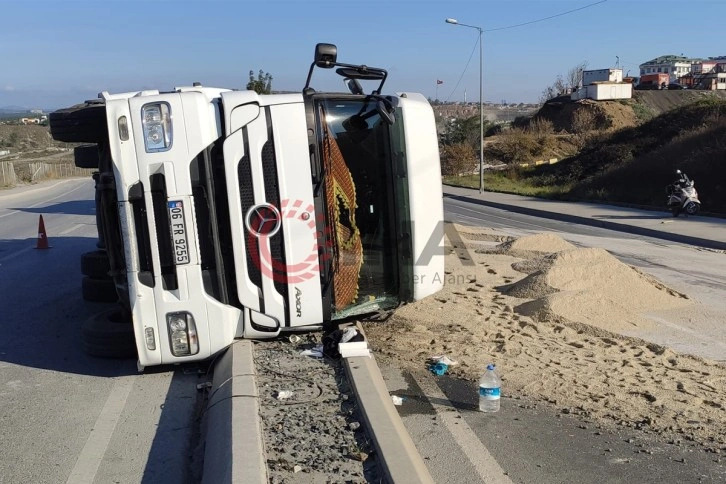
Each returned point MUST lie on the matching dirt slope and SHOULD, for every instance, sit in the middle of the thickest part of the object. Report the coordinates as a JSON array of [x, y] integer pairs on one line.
[[659, 102]]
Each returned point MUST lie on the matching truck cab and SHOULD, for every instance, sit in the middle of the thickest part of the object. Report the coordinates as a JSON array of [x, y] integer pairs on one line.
[[230, 214]]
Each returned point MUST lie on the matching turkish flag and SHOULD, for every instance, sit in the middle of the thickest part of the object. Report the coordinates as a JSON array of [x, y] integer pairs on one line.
[[439, 82]]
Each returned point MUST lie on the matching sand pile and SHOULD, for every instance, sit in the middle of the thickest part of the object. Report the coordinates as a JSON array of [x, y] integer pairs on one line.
[[532, 246], [585, 295], [591, 286]]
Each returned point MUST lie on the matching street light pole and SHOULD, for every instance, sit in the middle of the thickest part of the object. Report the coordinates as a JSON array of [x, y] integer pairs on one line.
[[453, 21]]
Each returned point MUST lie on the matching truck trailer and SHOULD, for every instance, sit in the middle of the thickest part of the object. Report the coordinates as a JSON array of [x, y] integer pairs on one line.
[[226, 214]]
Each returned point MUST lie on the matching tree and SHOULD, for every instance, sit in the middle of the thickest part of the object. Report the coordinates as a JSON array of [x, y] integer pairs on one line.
[[574, 75], [561, 85], [261, 85], [554, 90], [464, 130], [457, 159]]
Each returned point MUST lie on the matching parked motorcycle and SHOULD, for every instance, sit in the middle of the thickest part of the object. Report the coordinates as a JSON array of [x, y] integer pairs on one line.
[[682, 197]]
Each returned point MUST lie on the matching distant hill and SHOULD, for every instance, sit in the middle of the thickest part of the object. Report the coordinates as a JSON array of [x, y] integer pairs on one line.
[[13, 110], [622, 113]]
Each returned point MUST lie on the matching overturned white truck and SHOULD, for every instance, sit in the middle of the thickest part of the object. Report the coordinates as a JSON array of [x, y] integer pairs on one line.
[[227, 214]]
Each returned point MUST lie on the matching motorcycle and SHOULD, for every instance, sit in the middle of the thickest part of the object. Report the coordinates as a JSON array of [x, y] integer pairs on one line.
[[682, 197]]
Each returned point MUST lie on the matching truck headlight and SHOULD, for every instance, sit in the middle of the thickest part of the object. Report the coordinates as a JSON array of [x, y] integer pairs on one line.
[[182, 334], [156, 120]]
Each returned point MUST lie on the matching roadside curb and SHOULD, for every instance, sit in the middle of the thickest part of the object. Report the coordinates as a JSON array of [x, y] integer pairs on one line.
[[399, 460], [236, 451], [606, 224], [234, 447]]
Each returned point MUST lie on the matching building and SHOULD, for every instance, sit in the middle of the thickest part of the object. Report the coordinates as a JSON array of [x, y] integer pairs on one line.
[[709, 74], [604, 91], [607, 75], [603, 84], [676, 66]]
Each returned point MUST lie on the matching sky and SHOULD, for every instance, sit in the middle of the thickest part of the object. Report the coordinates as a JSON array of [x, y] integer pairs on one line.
[[58, 53]]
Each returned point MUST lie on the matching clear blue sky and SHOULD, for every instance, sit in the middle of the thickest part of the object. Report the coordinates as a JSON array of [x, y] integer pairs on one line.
[[54, 54]]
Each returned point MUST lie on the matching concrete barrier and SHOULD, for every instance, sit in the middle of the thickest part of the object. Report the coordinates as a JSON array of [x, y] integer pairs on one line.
[[234, 448]]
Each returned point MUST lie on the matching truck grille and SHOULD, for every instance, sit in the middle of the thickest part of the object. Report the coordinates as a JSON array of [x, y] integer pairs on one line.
[[212, 210]]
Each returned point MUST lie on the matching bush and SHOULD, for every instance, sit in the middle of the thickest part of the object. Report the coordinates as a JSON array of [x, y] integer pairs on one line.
[[457, 158], [583, 121], [541, 127]]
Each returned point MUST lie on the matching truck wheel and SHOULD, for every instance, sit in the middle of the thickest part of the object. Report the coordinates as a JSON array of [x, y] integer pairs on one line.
[[109, 335], [95, 264], [98, 290], [86, 156], [82, 123]]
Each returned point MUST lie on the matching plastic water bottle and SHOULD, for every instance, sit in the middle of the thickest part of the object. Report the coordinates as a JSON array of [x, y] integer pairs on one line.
[[489, 390]]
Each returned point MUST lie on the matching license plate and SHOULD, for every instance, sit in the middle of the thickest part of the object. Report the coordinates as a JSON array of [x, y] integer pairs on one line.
[[180, 245]]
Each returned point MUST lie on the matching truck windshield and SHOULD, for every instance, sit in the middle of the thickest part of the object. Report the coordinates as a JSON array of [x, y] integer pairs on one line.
[[360, 204]]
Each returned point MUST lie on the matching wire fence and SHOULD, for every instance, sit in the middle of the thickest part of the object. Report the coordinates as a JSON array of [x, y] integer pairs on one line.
[[7, 174], [43, 171], [34, 172]]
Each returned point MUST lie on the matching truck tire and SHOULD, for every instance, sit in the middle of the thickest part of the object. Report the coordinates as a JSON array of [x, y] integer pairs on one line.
[[82, 123], [108, 335], [98, 290], [86, 156], [95, 264]]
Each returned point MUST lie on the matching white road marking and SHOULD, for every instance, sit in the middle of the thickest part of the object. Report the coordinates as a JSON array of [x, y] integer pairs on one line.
[[510, 220], [486, 466], [92, 454], [15, 254], [12, 212], [68, 231]]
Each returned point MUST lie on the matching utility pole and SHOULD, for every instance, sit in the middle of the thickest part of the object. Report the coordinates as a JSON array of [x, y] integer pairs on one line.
[[453, 21]]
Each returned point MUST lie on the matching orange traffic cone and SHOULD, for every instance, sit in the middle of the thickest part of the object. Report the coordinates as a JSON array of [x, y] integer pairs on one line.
[[42, 236]]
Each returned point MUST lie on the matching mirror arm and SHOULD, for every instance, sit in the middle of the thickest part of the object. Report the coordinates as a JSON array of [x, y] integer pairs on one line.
[[310, 75]]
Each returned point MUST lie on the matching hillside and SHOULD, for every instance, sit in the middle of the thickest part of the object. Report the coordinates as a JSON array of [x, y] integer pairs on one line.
[[623, 113], [31, 144], [628, 156]]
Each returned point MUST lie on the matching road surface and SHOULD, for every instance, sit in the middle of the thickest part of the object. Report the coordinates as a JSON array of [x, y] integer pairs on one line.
[[66, 416], [529, 442]]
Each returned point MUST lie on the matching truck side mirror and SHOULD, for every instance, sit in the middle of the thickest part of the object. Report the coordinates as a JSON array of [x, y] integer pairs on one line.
[[326, 55], [386, 111], [354, 86]]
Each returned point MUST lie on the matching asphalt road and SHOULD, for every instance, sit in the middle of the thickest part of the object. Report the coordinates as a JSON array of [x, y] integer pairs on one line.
[[66, 416], [529, 442]]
